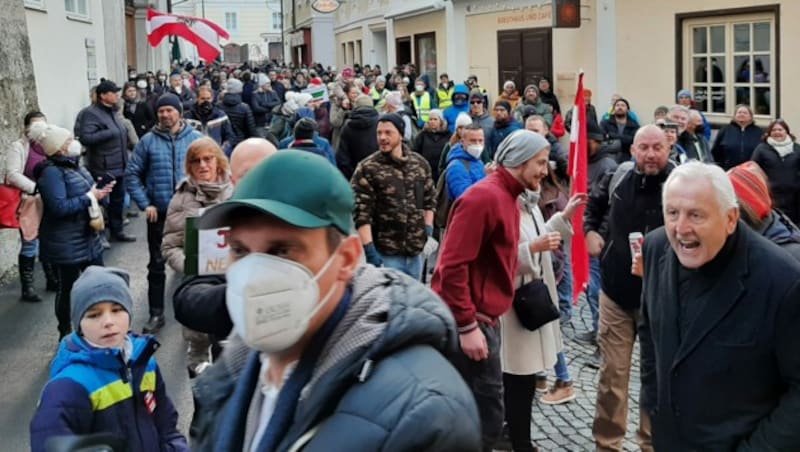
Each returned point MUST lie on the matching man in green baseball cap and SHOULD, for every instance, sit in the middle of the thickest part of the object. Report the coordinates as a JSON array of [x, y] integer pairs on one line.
[[365, 346]]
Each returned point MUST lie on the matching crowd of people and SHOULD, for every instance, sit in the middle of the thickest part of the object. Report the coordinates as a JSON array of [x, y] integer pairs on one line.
[[343, 192]]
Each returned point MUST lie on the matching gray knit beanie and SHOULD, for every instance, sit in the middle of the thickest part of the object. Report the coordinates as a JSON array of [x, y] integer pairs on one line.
[[519, 147], [98, 285]]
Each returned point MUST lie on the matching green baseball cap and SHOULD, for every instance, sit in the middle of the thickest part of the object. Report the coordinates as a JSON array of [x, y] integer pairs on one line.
[[298, 187]]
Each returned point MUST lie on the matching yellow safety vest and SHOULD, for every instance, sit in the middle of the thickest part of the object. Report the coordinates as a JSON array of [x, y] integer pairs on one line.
[[377, 95], [423, 106], [445, 97]]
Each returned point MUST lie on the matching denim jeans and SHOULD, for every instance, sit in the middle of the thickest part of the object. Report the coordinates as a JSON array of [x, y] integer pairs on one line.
[[561, 370], [593, 291], [410, 265], [565, 288], [29, 249], [485, 380]]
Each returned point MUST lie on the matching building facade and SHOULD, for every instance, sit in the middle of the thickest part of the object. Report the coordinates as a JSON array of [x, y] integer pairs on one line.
[[308, 34], [73, 44], [727, 52]]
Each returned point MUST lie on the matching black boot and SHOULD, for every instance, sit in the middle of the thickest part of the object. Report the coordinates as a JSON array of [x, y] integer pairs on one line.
[[50, 275], [26, 279]]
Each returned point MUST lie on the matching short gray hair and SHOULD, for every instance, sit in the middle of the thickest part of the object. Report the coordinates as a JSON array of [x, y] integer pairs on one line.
[[694, 170], [678, 107]]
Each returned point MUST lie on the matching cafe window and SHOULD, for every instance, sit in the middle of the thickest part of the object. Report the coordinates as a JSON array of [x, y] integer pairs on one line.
[[731, 60]]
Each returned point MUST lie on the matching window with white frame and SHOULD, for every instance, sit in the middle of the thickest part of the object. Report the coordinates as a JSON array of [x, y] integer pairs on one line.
[[77, 8], [231, 22], [731, 60], [277, 21], [36, 4]]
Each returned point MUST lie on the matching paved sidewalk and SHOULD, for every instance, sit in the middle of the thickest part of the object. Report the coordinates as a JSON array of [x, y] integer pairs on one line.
[[568, 427]]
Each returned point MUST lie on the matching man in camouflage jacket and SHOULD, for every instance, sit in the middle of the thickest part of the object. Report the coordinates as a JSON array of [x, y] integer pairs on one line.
[[395, 201]]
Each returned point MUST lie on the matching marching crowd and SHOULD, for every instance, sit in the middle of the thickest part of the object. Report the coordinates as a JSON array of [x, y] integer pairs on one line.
[[343, 193]]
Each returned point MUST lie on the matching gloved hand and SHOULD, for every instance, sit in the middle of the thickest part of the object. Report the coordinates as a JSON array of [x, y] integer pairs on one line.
[[430, 247], [372, 255]]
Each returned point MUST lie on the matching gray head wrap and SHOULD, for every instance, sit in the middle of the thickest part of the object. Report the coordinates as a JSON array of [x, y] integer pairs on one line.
[[519, 147]]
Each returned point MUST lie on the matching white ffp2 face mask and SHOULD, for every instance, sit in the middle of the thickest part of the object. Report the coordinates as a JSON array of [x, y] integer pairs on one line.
[[475, 150], [271, 300], [74, 149]]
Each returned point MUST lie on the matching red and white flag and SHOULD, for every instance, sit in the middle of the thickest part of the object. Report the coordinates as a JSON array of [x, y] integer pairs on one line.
[[579, 176], [203, 33]]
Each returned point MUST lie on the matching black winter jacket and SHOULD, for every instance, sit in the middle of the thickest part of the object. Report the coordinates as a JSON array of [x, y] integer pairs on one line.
[[241, 118], [199, 304], [734, 145], [784, 178], [609, 126], [430, 144], [358, 140], [187, 97], [140, 115], [65, 235], [262, 104], [105, 138], [634, 206]]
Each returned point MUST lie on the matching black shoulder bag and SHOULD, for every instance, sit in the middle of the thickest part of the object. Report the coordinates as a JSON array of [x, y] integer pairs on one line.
[[532, 302]]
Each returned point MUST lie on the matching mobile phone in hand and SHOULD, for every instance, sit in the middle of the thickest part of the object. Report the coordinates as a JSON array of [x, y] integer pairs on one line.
[[104, 180]]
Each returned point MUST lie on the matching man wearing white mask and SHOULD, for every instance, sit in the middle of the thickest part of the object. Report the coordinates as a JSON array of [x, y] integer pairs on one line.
[[464, 165], [327, 353]]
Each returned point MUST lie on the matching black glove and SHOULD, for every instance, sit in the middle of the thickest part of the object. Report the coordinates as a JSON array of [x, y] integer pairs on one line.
[[372, 255]]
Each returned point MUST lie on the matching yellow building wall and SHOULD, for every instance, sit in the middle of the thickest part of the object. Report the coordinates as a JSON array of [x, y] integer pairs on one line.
[[646, 52], [424, 23]]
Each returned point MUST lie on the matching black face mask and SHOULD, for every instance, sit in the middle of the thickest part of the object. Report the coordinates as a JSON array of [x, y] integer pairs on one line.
[[205, 108]]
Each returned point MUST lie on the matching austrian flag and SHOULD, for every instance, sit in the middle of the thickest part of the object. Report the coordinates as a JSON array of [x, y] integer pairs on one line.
[[203, 33]]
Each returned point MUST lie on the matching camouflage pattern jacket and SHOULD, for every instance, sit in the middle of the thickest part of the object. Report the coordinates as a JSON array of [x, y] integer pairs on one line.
[[392, 197]]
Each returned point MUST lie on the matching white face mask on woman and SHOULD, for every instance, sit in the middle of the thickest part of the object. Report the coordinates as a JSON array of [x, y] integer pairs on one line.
[[74, 149]]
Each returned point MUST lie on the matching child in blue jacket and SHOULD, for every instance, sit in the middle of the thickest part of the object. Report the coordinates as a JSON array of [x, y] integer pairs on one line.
[[104, 378]]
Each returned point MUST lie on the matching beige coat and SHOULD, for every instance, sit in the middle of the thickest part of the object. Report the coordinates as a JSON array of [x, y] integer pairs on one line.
[[188, 199], [525, 352]]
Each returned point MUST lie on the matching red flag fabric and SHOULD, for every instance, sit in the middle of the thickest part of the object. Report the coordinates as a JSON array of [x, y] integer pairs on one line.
[[579, 175], [203, 33]]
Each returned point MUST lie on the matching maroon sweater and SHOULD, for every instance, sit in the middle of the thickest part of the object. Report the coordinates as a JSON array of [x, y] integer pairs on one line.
[[478, 259]]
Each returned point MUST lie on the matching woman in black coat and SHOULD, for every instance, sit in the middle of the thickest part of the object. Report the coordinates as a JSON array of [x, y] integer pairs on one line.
[[359, 137], [137, 110], [779, 157], [69, 234], [736, 142], [430, 142]]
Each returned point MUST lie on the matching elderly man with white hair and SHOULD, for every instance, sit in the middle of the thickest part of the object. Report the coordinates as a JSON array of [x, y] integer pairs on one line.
[[394, 104], [719, 342]]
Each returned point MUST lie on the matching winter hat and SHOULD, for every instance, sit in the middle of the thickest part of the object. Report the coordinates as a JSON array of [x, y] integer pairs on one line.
[[98, 285], [503, 104], [304, 129], [531, 88], [169, 100], [463, 120], [475, 94], [395, 119], [303, 99], [234, 86], [348, 72], [751, 188], [684, 93], [363, 101], [627, 104], [50, 137], [519, 147], [262, 80], [594, 132]]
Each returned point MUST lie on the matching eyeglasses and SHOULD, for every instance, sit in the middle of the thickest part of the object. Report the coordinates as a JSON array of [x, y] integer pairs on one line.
[[476, 102], [205, 159]]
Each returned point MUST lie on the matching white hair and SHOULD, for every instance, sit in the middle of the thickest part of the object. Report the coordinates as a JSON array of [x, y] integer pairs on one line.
[[696, 171], [695, 114], [394, 98], [681, 108]]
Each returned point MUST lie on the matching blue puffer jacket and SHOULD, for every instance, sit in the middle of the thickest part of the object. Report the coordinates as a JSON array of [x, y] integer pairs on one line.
[[323, 147], [65, 234], [382, 382], [458, 178], [157, 166], [452, 112], [91, 390]]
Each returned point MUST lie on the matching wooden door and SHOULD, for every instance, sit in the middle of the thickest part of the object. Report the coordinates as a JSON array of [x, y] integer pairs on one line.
[[524, 56]]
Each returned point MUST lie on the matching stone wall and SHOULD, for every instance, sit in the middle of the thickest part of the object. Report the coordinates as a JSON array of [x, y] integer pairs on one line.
[[17, 96]]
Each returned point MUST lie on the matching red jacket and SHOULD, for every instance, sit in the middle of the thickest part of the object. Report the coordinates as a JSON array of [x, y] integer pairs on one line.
[[478, 259]]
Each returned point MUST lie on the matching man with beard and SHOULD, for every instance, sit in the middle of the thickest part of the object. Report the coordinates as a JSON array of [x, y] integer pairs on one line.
[[154, 171], [532, 100], [621, 126], [504, 125], [625, 201], [395, 225], [209, 120], [477, 267]]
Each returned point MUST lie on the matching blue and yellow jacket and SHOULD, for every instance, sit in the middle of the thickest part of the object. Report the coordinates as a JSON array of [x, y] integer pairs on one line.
[[93, 390]]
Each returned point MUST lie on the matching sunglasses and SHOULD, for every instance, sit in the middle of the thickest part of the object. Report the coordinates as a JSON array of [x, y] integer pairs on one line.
[[206, 159]]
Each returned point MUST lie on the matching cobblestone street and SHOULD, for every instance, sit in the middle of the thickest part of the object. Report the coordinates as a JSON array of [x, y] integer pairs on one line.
[[568, 427]]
